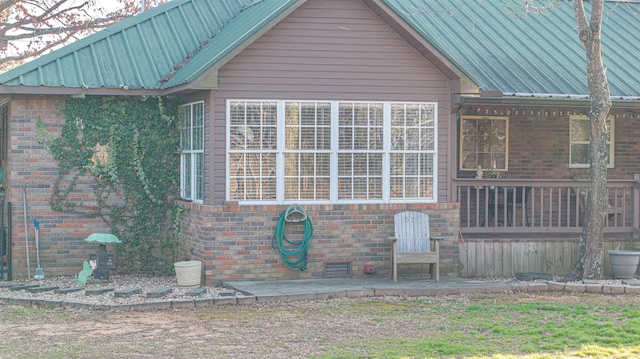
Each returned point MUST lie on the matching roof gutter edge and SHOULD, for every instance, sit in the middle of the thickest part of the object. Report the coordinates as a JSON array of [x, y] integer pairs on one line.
[[521, 99], [74, 91]]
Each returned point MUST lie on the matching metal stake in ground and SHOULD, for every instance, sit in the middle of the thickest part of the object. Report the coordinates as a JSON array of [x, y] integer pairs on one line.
[[39, 272], [26, 230]]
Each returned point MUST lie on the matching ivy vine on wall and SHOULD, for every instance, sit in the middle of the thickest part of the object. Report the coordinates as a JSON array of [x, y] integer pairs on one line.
[[124, 150]]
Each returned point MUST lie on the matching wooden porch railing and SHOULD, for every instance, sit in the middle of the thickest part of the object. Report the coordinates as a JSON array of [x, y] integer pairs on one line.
[[542, 206]]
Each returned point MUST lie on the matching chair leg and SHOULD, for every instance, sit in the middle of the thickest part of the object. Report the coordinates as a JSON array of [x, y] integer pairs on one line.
[[437, 264], [394, 266]]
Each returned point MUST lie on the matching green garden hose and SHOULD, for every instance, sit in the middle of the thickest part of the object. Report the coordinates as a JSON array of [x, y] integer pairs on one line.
[[296, 258]]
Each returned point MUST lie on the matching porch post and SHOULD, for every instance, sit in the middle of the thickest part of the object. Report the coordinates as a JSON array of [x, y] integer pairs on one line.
[[635, 206]]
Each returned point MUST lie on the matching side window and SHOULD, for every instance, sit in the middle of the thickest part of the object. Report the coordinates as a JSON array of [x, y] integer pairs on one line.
[[192, 152], [579, 138], [484, 143]]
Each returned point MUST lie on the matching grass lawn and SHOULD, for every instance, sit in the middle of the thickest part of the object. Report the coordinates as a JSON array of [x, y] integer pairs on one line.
[[548, 326], [545, 325]]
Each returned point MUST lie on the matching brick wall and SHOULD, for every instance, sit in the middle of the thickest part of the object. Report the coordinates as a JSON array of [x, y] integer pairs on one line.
[[234, 241], [539, 142], [31, 169]]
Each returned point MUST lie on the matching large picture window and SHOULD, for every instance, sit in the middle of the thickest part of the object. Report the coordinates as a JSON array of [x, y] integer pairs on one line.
[[192, 152], [329, 152], [484, 143], [579, 139]]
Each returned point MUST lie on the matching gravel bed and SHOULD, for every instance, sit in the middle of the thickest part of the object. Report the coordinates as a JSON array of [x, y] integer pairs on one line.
[[147, 284], [116, 282]]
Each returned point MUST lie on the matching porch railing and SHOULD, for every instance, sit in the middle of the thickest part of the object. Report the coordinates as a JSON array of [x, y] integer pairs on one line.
[[542, 206]]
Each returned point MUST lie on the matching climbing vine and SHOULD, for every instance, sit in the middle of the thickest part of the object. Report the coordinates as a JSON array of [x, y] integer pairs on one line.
[[123, 152]]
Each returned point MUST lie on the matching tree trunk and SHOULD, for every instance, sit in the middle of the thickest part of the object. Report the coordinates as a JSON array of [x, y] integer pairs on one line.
[[591, 246]]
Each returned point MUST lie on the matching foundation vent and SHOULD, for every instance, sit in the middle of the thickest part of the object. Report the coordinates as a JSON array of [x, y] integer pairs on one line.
[[337, 269]]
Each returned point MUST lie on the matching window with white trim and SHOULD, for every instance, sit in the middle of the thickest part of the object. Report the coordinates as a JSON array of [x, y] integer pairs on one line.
[[330, 152], [413, 143], [307, 150], [192, 152], [360, 150], [579, 139]]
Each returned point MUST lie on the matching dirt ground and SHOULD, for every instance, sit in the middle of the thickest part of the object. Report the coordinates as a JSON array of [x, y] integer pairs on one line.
[[274, 330], [255, 331]]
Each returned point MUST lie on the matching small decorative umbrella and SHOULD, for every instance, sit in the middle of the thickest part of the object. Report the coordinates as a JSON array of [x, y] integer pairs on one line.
[[102, 269]]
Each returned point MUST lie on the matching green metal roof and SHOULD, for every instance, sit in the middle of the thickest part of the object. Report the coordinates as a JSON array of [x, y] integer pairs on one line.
[[503, 49], [249, 22], [493, 44], [149, 51]]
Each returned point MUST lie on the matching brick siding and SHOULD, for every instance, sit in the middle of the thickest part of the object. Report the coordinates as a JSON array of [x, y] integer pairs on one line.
[[31, 166], [234, 241], [539, 142]]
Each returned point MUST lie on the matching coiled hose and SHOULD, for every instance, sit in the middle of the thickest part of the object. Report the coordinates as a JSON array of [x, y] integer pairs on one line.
[[296, 258]]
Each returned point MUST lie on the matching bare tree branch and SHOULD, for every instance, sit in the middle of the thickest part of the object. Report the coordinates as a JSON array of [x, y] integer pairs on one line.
[[5, 4], [31, 28]]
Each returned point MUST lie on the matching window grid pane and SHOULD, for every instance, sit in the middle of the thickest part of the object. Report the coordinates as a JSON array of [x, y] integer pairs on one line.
[[360, 126], [186, 176], [580, 138], [360, 176], [252, 176], [197, 142], [308, 126], [185, 138], [484, 143], [252, 125], [199, 172], [307, 176], [412, 176]]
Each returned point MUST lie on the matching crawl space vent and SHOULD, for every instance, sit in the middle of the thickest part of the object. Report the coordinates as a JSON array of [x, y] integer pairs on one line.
[[337, 269]]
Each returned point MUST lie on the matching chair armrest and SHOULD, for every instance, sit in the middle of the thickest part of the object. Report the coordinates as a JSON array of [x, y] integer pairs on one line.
[[437, 238], [392, 239]]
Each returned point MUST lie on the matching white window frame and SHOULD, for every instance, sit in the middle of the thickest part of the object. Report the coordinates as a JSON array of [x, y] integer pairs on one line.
[[304, 151], [192, 186], [334, 153], [355, 127], [611, 123]]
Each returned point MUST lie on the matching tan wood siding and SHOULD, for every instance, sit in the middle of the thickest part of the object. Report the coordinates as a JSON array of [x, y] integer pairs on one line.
[[331, 50], [505, 257]]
